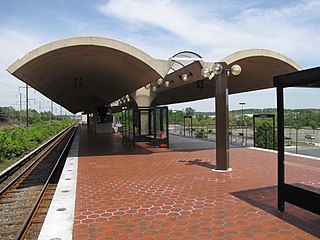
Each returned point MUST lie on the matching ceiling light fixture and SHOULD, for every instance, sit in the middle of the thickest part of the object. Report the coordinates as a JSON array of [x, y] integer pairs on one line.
[[160, 81], [185, 77], [217, 69], [167, 83], [148, 86]]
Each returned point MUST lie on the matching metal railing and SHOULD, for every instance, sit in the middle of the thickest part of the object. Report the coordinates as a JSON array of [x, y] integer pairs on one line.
[[304, 141]]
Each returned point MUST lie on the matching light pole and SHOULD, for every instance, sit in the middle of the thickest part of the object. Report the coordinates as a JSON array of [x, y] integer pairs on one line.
[[175, 123], [242, 104], [219, 73]]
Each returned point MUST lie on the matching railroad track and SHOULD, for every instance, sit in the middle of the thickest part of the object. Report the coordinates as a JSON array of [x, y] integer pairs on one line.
[[26, 191]]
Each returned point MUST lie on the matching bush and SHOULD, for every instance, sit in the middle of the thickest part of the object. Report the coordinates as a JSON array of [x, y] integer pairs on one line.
[[16, 142], [200, 134], [264, 135]]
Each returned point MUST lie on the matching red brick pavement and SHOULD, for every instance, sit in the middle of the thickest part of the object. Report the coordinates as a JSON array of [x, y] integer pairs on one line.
[[150, 194]]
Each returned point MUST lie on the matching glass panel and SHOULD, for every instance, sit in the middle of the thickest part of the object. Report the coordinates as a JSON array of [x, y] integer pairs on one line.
[[302, 137], [264, 133], [144, 122]]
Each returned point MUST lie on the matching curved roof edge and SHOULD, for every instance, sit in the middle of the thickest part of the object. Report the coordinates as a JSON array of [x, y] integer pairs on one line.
[[161, 66], [259, 52]]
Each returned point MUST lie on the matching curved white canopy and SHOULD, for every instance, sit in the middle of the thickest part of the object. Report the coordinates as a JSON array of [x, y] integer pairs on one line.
[[82, 72], [259, 66]]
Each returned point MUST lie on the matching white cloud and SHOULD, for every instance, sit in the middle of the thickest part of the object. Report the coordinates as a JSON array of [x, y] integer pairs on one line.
[[13, 44], [216, 31]]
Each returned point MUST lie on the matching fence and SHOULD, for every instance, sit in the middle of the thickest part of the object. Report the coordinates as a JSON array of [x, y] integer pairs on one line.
[[301, 141]]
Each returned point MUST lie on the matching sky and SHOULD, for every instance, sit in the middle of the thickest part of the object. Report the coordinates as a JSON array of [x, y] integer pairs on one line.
[[213, 29]]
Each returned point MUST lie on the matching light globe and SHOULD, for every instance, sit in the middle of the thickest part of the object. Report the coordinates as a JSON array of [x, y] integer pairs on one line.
[[166, 83], [160, 81], [154, 88], [217, 68], [184, 77], [235, 70], [205, 72], [148, 86]]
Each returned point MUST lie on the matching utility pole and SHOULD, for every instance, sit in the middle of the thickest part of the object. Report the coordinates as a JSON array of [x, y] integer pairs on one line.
[[40, 110], [20, 102], [242, 103], [27, 103], [51, 115], [27, 111], [20, 105]]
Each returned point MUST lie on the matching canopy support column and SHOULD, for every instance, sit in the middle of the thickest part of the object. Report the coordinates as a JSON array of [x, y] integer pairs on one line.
[[222, 121]]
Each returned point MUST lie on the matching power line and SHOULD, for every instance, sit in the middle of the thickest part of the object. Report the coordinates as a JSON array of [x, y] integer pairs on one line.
[[4, 63], [9, 103], [8, 85]]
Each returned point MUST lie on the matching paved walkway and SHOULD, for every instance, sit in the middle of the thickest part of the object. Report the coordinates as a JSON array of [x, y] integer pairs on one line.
[[152, 193]]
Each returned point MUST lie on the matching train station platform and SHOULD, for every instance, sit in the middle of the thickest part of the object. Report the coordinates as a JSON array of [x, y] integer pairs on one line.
[[158, 193]]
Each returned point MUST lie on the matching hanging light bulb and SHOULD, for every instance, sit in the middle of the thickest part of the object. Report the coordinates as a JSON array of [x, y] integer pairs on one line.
[[205, 72], [235, 70], [166, 83], [160, 81], [148, 86], [217, 68], [154, 88]]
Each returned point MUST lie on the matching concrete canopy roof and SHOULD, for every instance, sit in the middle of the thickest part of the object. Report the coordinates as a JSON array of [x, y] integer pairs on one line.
[[83, 72], [259, 66]]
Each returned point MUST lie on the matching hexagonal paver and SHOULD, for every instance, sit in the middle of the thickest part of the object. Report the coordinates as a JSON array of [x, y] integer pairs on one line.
[[151, 193]]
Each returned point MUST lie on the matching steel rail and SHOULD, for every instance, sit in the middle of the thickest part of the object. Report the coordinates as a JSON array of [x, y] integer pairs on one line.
[[43, 148], [23, 230], [11, 170]]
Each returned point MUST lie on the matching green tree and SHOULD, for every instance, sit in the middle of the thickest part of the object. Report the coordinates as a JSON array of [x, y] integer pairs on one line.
[[264, 135], [189, 111]]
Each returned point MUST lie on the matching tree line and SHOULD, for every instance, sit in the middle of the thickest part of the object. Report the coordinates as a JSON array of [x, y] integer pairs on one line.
[[15, 117], [296, 118]]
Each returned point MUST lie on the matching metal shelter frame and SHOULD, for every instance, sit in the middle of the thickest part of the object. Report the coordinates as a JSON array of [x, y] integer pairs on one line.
[[128, 131], [190, 128], [157, 132], [303, 198]]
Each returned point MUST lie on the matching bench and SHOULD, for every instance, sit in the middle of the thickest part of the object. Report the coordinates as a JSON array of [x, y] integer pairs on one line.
[[160, 141]]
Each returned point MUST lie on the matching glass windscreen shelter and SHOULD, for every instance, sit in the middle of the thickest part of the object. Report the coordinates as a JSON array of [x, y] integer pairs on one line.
[[146, 124], [152, 125], [128, 123], [298, 177]]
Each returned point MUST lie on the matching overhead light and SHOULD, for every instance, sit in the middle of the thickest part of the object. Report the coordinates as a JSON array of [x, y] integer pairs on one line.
[[154, 88], [217, 69], [148, 86], [167, 83], [160, 81], [185, 77], [235, 70], [206, 72]]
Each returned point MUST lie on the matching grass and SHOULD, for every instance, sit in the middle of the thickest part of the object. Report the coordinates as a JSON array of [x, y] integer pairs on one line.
[[17, 142]]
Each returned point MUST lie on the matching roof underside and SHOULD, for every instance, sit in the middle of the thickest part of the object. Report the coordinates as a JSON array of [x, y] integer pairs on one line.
[[81, 73], [258, 66]]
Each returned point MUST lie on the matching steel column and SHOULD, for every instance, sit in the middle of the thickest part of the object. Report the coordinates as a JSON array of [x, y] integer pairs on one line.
[[222, 120]]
